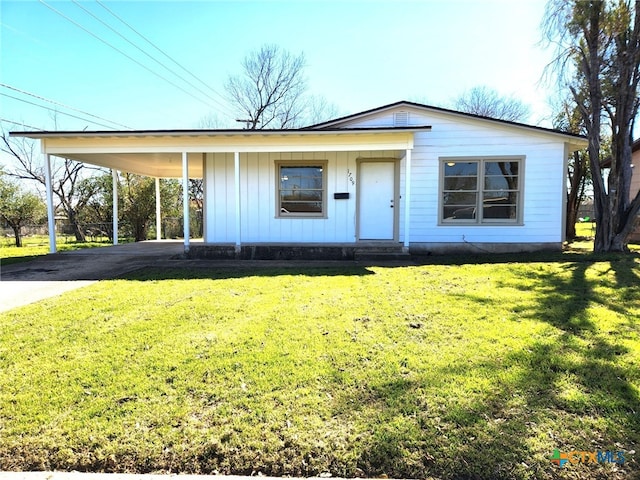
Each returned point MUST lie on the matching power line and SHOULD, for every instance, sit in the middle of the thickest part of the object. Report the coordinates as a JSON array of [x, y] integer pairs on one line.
[[23, 125], [148, 55], [122, 53], [62, 105], [56, 111], [189, 72]]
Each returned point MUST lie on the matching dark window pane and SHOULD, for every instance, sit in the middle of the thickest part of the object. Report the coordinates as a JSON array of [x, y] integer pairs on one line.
[[499, 211], [459, 212], [501, 175], [501, 168], [300, 177], [460, 198], [301, 207], [305, 195], [461, 183], [456, 169], [500, 183]]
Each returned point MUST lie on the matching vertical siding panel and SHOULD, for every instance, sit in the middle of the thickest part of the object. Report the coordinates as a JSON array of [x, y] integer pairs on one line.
[[220, 217], [247, 178], [264, 197], [229, 200]]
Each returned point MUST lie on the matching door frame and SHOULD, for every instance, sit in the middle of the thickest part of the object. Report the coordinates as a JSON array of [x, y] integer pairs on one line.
[[396, 196]]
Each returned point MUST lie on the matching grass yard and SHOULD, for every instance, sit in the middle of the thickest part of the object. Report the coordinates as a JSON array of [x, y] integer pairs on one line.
[[475, 369]]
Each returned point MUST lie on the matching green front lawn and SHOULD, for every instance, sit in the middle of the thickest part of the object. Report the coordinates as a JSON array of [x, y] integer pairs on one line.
[[473, 369]]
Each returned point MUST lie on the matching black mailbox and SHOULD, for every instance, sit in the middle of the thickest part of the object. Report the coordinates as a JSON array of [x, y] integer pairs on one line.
[[341, 196]]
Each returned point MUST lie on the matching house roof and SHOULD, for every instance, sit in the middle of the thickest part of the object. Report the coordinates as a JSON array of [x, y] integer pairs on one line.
[[404, 103], [635, 146], [158, 153]]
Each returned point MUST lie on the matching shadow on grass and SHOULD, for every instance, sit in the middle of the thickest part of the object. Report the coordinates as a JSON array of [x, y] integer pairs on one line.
[[146, 274], [572, 390], [533, 257]]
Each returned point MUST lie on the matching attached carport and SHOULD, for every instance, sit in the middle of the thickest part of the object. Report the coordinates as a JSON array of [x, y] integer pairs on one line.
[[180, 154]]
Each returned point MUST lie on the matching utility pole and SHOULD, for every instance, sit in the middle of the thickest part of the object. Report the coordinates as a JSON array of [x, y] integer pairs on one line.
[[246, 122]]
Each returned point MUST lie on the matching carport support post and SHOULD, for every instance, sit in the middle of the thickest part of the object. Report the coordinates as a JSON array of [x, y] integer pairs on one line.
[[114, 186], [158, 218], [407, 199], [51, 218], [185, 199], [236, 161]]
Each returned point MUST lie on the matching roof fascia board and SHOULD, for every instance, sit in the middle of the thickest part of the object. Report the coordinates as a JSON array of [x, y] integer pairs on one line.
[[215, 133], [579, 140]]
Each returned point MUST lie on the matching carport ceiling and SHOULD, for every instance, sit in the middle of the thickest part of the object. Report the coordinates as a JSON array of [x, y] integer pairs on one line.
[[161, 165]]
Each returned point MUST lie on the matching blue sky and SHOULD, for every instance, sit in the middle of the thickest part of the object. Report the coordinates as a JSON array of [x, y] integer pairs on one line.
[[360, 55]]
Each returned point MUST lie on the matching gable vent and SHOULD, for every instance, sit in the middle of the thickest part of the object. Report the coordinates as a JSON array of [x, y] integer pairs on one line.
[[401, 119]]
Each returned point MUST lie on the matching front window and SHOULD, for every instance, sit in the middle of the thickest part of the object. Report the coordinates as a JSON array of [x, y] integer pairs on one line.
[[301, 189], [481, 191]]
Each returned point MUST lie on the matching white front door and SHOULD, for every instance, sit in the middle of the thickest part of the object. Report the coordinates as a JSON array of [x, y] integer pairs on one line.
[[376, 201]]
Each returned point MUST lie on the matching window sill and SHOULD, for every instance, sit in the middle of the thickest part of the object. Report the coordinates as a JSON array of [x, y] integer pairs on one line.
[[475, 224], [301, 216]]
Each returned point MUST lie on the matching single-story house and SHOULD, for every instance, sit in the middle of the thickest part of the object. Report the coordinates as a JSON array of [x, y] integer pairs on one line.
[[405, 175]]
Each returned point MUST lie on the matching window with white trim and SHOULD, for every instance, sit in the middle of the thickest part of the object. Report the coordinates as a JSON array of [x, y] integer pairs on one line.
[[481, 190], [301, 189]]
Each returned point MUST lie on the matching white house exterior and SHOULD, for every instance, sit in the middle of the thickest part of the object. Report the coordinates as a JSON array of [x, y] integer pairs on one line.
[[421, 178]]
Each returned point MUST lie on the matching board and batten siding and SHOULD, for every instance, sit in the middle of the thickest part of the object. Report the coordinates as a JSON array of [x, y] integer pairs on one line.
[[456, 136], [259, 222], [451, 135]]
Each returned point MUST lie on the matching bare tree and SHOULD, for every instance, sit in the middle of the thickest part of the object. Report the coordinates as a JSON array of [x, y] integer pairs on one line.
[[269, 92], [319, 109], [599, 62], [568, 119], [18, 207], [211, 121], [67, 176], [487, 102]]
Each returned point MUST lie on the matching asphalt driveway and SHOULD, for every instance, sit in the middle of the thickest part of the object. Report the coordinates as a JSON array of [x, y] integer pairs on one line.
[[51, 275]]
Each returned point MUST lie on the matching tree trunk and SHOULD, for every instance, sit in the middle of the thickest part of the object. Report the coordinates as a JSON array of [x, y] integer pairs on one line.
[[73, 221], [574, 196], [621, 210], [592, 66], [79, 234], [140, 231], [17, 235], [572, 214]]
